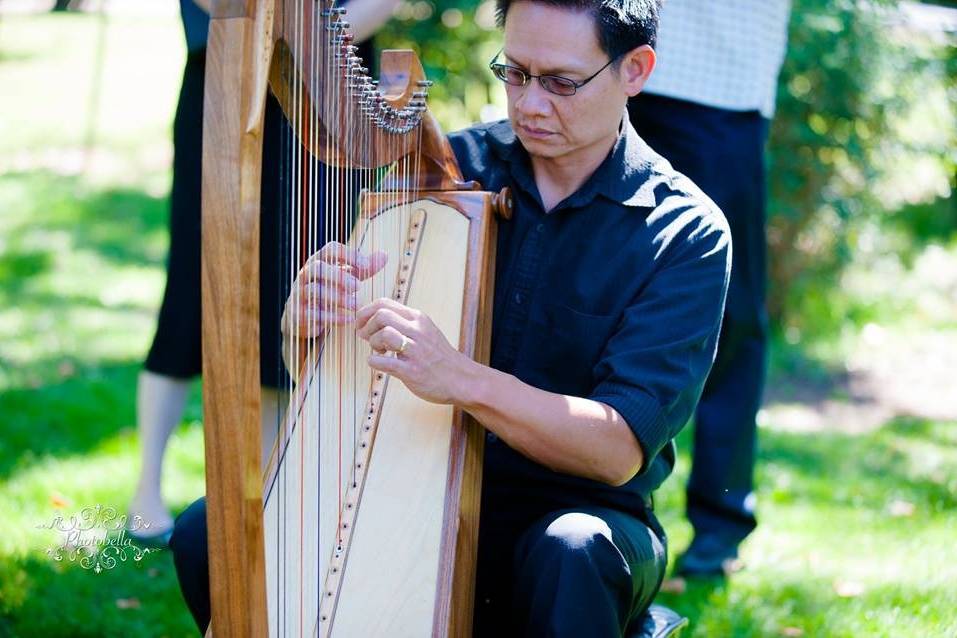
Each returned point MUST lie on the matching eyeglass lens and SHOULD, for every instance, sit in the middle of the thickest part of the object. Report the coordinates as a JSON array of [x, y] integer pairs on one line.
[[551, 83]]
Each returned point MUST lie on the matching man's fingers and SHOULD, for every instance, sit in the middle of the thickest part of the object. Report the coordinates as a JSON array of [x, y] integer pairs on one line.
[[388, 364], [387, 305], [309, 321], [316, 271], [326, 297], [361, 264], [334, 252], [371, 264], [388, 339], [379, 319]]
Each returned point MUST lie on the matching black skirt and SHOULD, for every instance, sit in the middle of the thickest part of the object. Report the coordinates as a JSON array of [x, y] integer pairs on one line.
[[177, 347]]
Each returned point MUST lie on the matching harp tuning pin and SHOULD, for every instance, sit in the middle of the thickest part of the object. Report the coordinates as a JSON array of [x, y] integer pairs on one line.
[[425, 83], [420, 93], [344, 24]]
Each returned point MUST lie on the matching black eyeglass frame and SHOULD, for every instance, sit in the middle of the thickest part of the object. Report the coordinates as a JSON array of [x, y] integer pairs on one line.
[[573, 85]]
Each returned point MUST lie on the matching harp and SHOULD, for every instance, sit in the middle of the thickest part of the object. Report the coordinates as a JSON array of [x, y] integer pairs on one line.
[[365, 519]]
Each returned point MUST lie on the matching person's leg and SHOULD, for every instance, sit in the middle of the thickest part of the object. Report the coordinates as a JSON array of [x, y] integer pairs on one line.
[[159, 407], [584, 572], [722, 152], [175, 355], [190, 556]]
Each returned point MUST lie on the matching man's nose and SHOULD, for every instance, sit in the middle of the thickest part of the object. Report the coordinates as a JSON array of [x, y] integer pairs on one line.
[[533, 100]]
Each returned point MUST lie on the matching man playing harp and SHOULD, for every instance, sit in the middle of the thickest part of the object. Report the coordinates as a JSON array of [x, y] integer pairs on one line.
[[610, 282]]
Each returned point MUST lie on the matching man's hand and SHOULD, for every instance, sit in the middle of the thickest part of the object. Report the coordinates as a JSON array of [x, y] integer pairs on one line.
[[324, 292], [424, 361]]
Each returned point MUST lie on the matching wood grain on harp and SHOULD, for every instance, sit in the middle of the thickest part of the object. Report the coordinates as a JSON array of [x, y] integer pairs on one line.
[[369, 500]]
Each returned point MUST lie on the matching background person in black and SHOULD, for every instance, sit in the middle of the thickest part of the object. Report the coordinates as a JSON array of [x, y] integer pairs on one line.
[[707, 110], [175, 356], [609, 289]]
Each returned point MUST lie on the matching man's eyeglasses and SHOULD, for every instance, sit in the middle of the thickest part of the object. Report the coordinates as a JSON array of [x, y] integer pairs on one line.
[[556, 84]]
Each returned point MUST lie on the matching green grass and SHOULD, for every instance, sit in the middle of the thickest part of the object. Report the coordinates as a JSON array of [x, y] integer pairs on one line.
[[81, 274], [869, 516], [835, 515]]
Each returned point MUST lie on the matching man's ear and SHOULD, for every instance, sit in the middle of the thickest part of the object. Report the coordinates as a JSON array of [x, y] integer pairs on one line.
[[636, 67]]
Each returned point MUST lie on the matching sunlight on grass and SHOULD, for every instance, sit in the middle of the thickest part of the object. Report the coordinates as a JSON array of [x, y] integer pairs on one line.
[[138, 86], [853, 538], [53, 484], [857, 530]]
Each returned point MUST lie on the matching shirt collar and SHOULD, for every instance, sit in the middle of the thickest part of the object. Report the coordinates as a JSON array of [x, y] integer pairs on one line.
[[626, 176]]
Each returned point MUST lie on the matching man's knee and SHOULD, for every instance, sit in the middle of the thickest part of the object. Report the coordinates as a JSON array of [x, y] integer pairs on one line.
[[189, 533], [571, 538], [572, 578], [577, 531], [189, 545]]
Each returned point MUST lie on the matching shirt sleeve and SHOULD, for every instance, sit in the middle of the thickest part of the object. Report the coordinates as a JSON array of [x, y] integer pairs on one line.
[[653, 368]]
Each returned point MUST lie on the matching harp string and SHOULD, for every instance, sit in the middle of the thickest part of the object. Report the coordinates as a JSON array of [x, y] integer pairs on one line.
[[333, 100], [298, 167]]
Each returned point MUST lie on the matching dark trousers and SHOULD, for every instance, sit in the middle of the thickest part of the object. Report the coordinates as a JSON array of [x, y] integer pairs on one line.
[[587, 571], [190, 547], [723, 153], [583, 572]]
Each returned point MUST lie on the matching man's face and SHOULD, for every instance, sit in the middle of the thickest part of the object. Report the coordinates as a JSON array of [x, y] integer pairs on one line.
[[541, 39]]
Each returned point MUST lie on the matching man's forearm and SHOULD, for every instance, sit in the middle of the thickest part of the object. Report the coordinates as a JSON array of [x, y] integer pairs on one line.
[[568, 434]]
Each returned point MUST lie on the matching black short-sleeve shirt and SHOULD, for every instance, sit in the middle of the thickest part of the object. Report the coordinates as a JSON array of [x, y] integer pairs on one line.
[[616, 295]]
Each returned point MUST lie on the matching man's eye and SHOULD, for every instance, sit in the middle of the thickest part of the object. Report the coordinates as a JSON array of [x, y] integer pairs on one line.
[[515, 76], [560, 85]]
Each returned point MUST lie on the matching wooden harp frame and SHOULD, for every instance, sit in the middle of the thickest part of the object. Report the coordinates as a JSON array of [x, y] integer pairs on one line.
[[245, 38]]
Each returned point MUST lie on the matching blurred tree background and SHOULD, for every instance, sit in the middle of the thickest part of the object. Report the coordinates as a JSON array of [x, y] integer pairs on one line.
[[858, 429], [863, 153], [863, 148]]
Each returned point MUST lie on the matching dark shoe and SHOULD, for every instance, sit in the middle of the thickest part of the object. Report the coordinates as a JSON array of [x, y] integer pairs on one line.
[[144, 535], [657, 622], [708, 557], [154, 541]]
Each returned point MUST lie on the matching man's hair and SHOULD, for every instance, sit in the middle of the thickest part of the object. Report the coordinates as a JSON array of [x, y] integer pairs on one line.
[[621, 25]]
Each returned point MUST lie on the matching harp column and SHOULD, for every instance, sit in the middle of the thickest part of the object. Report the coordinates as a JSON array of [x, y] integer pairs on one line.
[[238, 53]]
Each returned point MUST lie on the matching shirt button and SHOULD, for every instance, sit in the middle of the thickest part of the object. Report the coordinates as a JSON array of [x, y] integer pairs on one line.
[[540, 227], [519, 298], [490, 437]]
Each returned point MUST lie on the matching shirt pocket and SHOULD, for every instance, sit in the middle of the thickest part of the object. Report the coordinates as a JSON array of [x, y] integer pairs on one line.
[[563, 347]]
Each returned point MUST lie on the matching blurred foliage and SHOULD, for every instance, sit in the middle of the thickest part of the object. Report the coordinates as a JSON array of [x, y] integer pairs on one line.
[[455, 40], [862, 131], [863, 136]]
